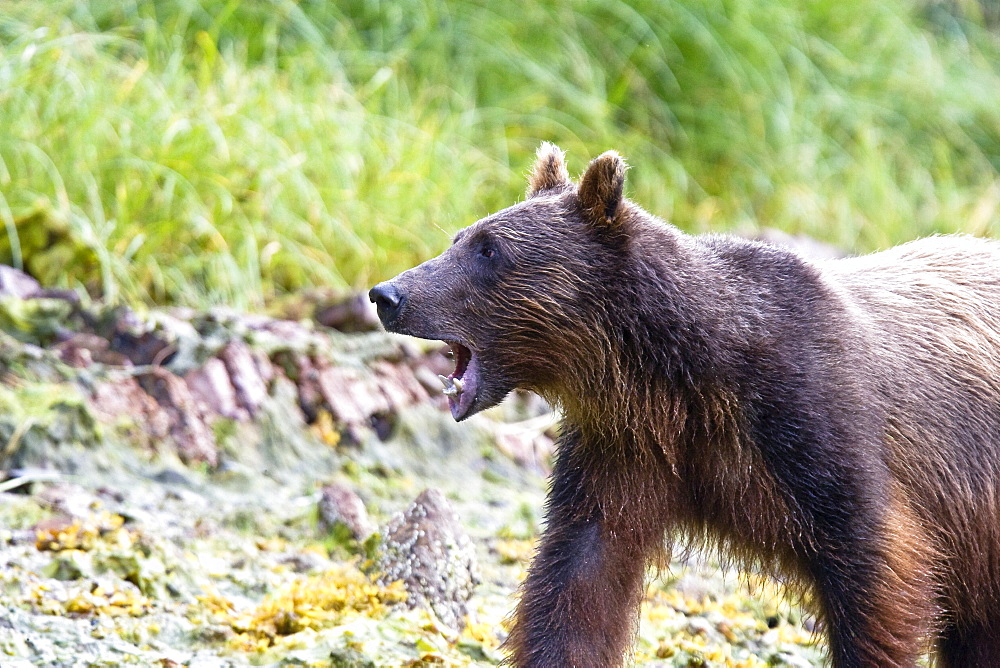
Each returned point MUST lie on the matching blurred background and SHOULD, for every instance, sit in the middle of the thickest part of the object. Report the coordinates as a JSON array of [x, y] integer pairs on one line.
[[206, 152]]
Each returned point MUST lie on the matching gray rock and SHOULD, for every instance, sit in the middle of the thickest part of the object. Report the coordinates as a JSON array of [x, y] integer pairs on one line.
[[352, 314], [194, 440], [210, 385], [16, 283], [339, 505], [69, 499], [428, 550], [251, 391], [789, 659], [121, 397], [699, 626]]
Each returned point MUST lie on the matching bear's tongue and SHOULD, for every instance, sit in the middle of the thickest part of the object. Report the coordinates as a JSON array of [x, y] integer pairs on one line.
[[460, 387], [461, 403]]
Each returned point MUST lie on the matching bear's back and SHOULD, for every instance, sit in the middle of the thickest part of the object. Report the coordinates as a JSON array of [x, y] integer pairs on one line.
[[935, 300]]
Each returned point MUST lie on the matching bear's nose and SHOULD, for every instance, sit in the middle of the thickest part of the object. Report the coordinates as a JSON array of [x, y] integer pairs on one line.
[[388, 301]]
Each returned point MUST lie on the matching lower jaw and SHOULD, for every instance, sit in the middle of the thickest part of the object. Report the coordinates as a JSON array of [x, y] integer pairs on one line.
[[460, 406], [463, 404]]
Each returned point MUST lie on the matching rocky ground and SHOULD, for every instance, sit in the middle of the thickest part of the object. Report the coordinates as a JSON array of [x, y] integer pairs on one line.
[[222, 489]]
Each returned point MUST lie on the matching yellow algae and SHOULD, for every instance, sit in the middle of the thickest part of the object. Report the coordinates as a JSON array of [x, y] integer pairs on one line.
[[325, 429], [86, 598], [271, 544], [214, 602], [305, 605], [795, 635], [515, 551], [84, 534], [110, 599], [482, 633]]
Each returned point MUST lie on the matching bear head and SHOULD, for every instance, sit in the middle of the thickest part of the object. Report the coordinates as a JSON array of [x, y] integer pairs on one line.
[[524, 292]]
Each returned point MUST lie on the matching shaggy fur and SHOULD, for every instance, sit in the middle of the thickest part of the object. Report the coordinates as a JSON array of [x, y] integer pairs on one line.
[[836, 423]]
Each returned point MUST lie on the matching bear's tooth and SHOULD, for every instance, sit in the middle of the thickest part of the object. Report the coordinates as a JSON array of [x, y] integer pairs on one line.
[[449, 387], [458, 384]]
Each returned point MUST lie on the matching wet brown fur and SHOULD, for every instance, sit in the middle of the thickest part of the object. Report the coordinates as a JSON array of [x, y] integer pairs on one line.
[[836, 423]]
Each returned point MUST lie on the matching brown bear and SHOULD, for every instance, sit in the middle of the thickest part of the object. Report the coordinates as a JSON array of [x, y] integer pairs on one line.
[[836, 423]]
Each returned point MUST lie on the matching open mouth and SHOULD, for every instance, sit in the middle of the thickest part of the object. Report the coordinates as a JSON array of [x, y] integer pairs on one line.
[[460, 387]]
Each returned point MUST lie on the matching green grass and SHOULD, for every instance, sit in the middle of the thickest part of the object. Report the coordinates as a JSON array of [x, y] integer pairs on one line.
[[214, 151]]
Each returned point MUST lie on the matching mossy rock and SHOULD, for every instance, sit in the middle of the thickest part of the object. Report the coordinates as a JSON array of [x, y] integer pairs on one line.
[[51, 249], [45, 425], [37, 321]]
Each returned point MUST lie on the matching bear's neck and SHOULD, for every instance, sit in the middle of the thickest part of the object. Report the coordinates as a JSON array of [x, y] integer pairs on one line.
[[659, 378]]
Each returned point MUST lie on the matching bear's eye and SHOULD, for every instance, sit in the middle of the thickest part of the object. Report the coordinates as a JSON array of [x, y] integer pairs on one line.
[[487, 252]]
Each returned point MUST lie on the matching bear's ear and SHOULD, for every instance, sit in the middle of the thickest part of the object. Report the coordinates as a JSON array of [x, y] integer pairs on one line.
[[549, 172], [601, 189]]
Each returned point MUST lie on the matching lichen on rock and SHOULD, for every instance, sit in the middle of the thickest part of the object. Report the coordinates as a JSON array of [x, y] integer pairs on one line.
[[427, 549]]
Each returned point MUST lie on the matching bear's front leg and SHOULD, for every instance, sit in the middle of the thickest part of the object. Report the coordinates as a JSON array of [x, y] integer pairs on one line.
[[580, 602]]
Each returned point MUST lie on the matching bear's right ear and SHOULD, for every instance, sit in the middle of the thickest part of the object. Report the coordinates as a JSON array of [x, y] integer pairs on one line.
[[550, 171], [602, 190]]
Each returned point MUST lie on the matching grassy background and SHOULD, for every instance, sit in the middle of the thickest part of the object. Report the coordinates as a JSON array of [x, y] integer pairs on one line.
[[217, 151]]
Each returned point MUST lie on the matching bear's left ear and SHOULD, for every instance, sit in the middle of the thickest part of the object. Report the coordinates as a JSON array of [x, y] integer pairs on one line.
[[601, 189], [549, 172]]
